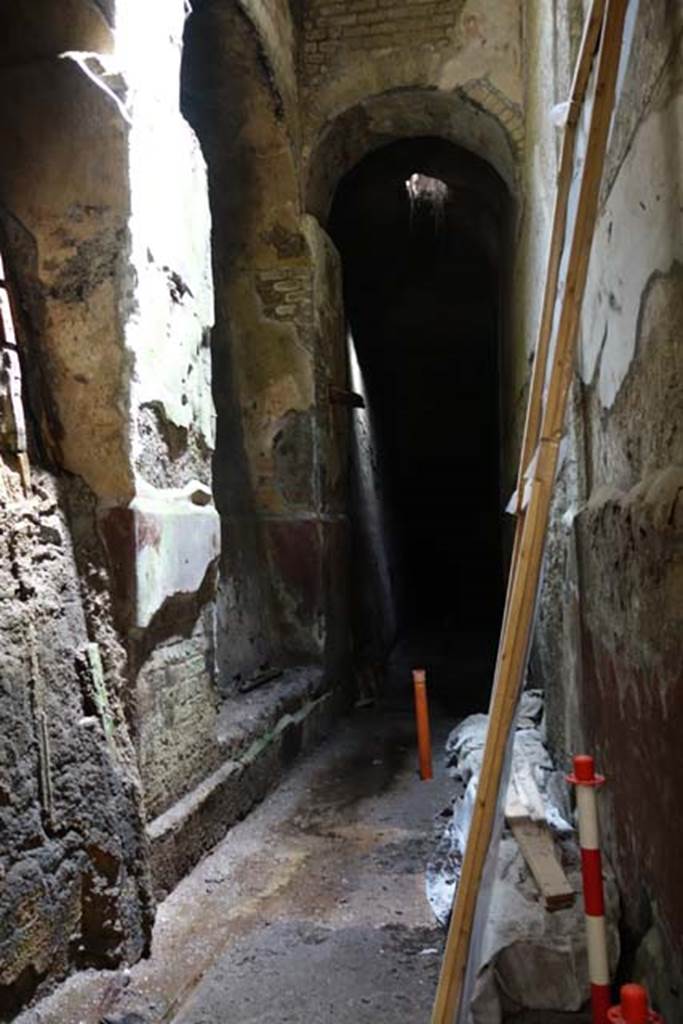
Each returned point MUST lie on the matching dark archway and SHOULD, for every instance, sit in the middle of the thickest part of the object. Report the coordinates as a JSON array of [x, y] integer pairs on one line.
[[421, 225]]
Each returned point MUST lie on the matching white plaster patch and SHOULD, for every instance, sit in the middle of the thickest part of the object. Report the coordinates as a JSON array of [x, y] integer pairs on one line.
[[176, 541], [639, 232]]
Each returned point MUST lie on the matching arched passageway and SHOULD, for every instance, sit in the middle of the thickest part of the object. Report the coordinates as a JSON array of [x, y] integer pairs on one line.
[[421, 228]]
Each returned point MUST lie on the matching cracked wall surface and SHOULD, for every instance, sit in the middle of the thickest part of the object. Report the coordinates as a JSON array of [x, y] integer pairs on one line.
[[75, 886], [278, 344], [109, 531], [609, 619]]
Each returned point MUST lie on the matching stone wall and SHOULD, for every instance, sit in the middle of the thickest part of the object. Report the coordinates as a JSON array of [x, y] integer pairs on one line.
[[278, 345], [338, 31], [109, 532], [376, 72], [609, 619], [74, 880], [350, 52]]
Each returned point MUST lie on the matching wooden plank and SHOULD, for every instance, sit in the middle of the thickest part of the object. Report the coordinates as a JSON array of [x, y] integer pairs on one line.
[[260, 679], [523, 586], [538, 849], [523, 798], [24, 472], [525, 815]]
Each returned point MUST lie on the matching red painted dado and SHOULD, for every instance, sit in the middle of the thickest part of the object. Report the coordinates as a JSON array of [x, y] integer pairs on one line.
[[636, 736], [296, 552], [308, 561]]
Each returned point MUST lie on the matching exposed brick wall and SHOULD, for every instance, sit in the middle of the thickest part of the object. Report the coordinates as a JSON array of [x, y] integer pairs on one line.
[[177, 715], [335, 29], [484, 94]]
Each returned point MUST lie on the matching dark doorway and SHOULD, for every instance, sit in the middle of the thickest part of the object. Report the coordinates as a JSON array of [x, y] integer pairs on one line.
[[421, 228]]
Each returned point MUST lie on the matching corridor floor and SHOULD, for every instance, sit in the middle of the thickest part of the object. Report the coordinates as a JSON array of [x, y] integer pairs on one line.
[[312, 909]]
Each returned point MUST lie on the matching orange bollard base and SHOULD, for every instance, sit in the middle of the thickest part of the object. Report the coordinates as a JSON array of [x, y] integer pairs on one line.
[[633, 1008]]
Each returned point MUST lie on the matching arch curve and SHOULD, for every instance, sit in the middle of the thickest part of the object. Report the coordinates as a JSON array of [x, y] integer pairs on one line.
[[405, 113]]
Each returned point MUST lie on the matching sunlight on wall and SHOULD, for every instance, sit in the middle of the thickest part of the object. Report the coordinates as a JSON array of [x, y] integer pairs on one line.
[[370, 509]]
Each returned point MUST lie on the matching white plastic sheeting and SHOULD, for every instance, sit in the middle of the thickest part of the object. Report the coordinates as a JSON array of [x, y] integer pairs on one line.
[[531, 958]]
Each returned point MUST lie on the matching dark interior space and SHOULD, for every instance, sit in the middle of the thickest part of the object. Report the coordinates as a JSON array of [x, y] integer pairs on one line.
[[420, 225]]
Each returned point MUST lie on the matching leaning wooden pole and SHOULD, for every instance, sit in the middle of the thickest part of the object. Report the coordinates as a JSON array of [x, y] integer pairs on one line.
[[534, 409], [521, 598], [584, 64]]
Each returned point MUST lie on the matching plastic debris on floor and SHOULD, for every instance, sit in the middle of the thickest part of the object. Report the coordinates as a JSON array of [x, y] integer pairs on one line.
[[531, 958]]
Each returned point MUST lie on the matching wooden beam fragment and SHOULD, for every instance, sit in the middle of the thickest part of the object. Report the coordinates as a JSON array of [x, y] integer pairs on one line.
[[538, 849]]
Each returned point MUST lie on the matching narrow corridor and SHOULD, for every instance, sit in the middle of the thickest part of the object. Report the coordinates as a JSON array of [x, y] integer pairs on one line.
[[312, 909], [295, 297]]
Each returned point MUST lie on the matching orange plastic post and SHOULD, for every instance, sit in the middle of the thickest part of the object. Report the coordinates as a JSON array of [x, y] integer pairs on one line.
[[424, 742], [633, 1008]]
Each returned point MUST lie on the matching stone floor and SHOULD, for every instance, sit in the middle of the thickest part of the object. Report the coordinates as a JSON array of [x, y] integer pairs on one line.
[[312, 909]]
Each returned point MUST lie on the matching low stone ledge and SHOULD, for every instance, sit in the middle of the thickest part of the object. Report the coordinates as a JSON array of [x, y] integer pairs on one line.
[[247, 715], [183, 834]]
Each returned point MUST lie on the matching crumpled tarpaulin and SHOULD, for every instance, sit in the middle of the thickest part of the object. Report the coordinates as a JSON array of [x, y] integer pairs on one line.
[[531, 958]]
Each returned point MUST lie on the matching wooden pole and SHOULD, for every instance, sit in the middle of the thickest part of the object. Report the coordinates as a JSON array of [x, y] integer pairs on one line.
[[577, 95], [589, 42], [521, 598]]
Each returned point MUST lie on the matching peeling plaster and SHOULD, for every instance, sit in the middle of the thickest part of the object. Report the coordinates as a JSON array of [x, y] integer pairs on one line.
[[640, 232], [162, 545], [99, 67]]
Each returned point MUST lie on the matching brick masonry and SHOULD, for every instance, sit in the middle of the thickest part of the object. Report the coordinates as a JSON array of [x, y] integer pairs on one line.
[[483, 94], [337, 29], [177, 715]]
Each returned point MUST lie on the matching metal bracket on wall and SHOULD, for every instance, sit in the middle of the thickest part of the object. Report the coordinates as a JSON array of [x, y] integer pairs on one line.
[[340, 396]]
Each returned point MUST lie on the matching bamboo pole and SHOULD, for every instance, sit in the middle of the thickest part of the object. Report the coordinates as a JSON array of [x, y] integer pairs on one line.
[[521, 598]]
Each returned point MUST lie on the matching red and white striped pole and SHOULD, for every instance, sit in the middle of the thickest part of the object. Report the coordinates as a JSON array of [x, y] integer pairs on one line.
[[586, 782], [633, 1008]]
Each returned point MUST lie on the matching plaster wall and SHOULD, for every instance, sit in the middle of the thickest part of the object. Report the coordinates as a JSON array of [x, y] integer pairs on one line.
[[606, 646]]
